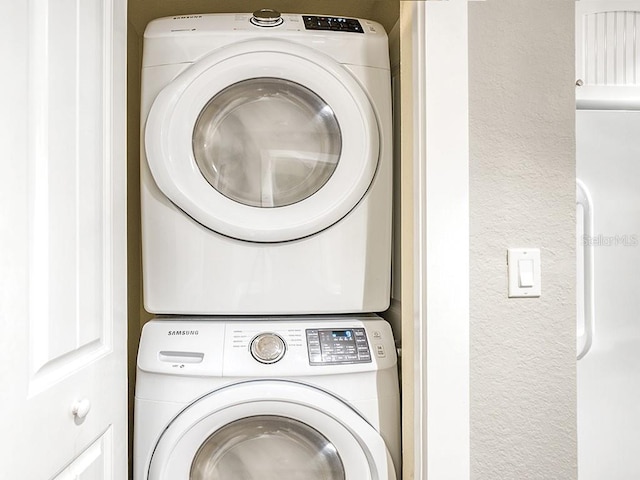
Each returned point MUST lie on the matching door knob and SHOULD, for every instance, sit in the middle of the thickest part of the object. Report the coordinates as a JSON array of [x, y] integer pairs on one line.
[[80, 408]]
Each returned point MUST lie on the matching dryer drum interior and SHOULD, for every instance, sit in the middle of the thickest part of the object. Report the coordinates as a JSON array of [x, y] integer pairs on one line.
[[267, 142]]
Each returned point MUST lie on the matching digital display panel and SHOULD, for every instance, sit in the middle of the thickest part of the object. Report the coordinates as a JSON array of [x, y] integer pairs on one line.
[[342, 333], [335, 24], [334, 347]]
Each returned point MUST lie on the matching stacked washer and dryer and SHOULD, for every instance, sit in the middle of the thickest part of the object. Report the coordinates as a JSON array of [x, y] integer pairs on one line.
[[266, 215]]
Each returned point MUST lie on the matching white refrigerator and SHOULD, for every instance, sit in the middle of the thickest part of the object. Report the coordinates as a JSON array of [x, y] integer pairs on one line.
[[608, 248]]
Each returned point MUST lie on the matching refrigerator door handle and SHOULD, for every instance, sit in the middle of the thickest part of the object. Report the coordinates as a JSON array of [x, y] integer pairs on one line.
[[585, 267]]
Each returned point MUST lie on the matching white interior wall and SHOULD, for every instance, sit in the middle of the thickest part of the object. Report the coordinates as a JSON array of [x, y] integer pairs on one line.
[[522, 174], [438, 321]]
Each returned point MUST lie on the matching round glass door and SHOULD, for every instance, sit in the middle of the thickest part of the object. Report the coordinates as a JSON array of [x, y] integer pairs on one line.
[[267, 447], [267, 142], [263, 141], [257, 430]]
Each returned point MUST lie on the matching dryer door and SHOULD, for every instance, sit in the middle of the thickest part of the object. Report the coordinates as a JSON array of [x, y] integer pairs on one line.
[[270, 430], [264, 140]]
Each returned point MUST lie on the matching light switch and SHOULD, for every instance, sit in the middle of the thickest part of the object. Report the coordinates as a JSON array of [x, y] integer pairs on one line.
[[524, 272]]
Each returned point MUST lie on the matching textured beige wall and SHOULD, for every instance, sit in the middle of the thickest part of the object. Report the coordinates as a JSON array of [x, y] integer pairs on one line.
[[522, 175]]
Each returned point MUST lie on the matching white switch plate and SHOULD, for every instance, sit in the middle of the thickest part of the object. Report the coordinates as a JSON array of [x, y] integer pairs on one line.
[[524, 272]]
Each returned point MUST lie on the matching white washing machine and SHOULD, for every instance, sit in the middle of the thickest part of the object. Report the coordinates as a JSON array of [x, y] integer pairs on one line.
[[294, 399], [266, 165]]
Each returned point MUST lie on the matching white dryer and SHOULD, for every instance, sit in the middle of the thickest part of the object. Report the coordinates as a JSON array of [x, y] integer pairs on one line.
[[266, 165], [295, 399]]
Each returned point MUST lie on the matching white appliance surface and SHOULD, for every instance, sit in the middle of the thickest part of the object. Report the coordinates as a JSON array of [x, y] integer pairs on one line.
[[265, 166], [297, 398], [608, 167]]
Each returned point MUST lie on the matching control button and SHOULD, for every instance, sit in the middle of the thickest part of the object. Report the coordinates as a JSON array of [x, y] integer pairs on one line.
[[267, 348], [266, 17], [380, 351], [376, 334], [336, 24]]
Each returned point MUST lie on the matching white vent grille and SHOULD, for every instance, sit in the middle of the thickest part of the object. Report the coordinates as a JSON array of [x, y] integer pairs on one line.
[[608, 46]]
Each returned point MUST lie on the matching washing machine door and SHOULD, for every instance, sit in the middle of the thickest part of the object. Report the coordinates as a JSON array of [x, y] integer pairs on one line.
[[264, 141], [270, 430]]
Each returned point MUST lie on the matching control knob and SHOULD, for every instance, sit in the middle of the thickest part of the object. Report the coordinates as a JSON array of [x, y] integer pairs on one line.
[[267, 348], [266, 17]]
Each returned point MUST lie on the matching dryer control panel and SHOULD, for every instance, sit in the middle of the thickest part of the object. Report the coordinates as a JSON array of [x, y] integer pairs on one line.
[[336, 24], [331, 346]]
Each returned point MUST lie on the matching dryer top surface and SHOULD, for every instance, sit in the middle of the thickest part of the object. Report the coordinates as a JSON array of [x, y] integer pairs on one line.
[[186, 38]]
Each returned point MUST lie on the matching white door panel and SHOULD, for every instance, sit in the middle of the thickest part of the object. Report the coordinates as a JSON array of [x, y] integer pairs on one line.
[[62, 240], [94, 463], [608, 154]]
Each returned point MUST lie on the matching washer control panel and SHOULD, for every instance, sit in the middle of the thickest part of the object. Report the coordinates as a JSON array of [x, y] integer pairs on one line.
[[336, 24], [272, 347], [331, 346]]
